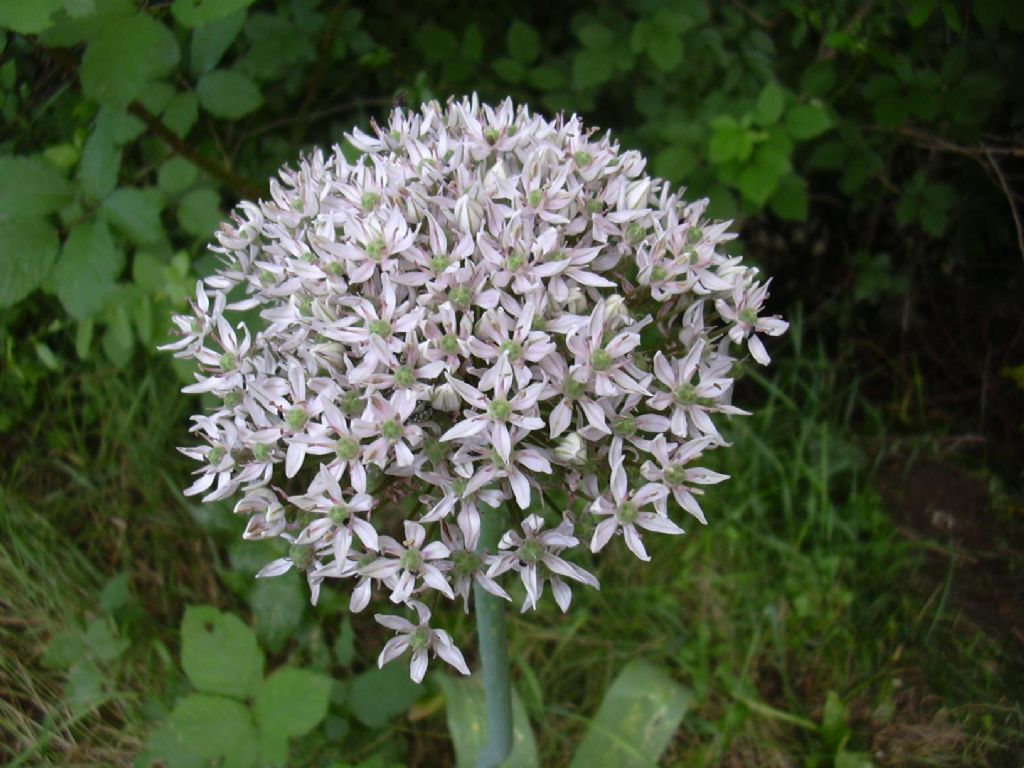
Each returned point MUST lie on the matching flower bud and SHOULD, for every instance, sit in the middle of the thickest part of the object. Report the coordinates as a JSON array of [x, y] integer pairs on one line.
[[469, 213], [571, 450], [444, 398], [636, 194]]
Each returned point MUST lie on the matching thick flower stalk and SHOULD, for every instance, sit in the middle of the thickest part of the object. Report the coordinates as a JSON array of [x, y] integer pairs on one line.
[[487, 308]]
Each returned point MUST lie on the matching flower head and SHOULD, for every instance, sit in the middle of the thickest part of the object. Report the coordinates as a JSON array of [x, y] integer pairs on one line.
[[485, 307]]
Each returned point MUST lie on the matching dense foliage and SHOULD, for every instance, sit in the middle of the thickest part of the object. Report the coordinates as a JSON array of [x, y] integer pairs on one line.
[[870, 153]]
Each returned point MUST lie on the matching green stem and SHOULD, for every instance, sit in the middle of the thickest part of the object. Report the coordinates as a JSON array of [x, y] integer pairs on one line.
[[490, 624]]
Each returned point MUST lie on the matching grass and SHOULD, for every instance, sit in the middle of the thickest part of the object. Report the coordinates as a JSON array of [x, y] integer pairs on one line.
[[802, 584]]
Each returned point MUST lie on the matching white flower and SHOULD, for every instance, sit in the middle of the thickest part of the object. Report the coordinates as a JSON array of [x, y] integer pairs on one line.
[[486, 307], [421, 639]]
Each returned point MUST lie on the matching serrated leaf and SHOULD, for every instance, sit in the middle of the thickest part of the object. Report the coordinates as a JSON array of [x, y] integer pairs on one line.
[[28, 249], [211, 41], [175, 175], [199, 212], [228, 94], [89, 264], [789, 201], [277, 606], [807, 121], [466, 711], [523, 42], [377, 695], [30, 187], [729, 142], [636, 720], [757, 181], [292, 702], [592, 67], [123, 56], [193, 13], [216, 728], [219, 653], [768, 108], [101, 163], [28, 17], [181, 113], [135, 213]]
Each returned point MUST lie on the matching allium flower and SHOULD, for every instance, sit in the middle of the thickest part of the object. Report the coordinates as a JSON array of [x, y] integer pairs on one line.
[[485, 307]]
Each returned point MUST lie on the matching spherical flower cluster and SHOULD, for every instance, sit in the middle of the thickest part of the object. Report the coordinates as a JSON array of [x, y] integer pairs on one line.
[[461, 318]]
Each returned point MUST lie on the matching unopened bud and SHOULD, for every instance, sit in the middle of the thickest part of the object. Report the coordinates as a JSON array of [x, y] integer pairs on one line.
[[571, 450], [444, 398]]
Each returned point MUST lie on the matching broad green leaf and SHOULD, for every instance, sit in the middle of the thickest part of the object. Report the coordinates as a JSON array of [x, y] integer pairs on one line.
[[228, 94], [853, 760], [636, 720], [103, 642], [157, 96], [789, 201], [807, 121], [123, 127], [194, 13], [216, 728], [523, 42], [277, 606], [87, 270], [769, 105], [345, 645], [219, 653], [758, 181], [466, 710], [199, 212], [181, 113], [436, 43], [675, 163], [818, 78], [65, 649], [834, 730], [83, 338], [592, 67], [30, 186], [546, 78], [101, 163], [292, 702], [28, 17], [665, 48], [135, 213], [28, 248], [509, 70], [118, 338], [123, 56], [176, 174], [210, 41], [377, 695], [730, 141]]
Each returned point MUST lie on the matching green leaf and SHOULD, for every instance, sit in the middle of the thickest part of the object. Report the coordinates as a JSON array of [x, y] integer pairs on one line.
[[292, 702], [228, 94], [546, 78], [436, 43], [509, 70], [194, 13], [769, 105], [103, 642], [28, 248], [757, 182], [789, 201], [523, 42], [65, 649], [345, 645], [277, 606], [211, 41], [28, 17], [216, 728], [199, 212], [181, 113], [592, 67], [135, 213], [101, 163], [176, 174], [636, 720], [123, 56], [807, 121], [834, 730], [87, 270], [675, 163], [730, 141], [118, 339], [377, 695], [30, 186], [665, 48], [219, 653], [466, 709]]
